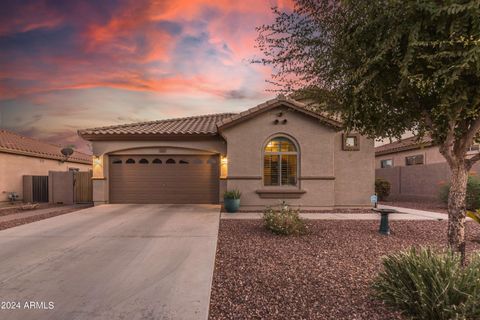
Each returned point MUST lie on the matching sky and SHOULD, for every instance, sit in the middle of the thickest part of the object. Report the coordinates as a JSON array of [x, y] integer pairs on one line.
[[67, 65]]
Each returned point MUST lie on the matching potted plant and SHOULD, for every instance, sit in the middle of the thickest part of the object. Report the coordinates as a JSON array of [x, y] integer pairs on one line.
[[231, 200]]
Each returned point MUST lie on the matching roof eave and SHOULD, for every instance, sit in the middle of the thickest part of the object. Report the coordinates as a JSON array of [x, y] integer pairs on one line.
[[146, 136], [405, 148], [47, 157]]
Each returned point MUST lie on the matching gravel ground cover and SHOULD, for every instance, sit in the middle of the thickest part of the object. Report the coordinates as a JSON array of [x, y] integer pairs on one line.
[[427, 206], [325, 274], [17, 208], [32, 218], [336, 210]]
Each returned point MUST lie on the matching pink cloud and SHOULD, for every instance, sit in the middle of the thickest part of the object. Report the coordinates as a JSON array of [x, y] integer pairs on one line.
[[29, 17], [129, 50]]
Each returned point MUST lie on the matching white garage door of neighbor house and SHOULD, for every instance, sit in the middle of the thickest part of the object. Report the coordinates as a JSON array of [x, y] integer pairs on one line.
[[164, 179]]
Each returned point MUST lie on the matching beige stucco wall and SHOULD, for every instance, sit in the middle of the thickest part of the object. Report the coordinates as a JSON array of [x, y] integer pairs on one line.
[[329, 176], [105, 149], [354, 173], [430, 154], [13, 167]]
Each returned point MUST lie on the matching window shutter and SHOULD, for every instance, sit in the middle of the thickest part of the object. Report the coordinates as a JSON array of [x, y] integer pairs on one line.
[[289, 170], [271, 169], [419, 159]]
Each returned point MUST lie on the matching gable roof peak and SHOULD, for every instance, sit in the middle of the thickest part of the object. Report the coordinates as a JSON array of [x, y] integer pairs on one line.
[[273, 103]]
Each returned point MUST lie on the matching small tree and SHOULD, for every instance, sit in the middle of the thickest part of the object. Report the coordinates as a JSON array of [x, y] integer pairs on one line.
[[386, 67]]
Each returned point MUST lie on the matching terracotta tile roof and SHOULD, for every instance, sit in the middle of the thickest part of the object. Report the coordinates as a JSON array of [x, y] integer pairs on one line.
[[403, 145], [11, 142], [273, 103], [197, 125]]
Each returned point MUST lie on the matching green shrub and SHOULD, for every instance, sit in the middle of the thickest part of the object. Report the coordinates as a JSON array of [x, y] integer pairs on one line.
[[232, 194], [382, 188], [284, 221], [427, 285], [473, 193]]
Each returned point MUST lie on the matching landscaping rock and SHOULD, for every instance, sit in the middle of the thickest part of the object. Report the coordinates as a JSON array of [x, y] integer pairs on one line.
[[29, 206], [326, 274]]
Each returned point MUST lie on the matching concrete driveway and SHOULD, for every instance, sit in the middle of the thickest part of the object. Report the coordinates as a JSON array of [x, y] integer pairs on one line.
[[111, 262]]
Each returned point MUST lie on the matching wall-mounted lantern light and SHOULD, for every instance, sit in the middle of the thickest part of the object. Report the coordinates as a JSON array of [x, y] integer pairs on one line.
[[223, 166], [97, 161]]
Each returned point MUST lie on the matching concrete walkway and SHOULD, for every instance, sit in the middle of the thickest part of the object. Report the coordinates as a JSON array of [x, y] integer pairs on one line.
[[404, 214]]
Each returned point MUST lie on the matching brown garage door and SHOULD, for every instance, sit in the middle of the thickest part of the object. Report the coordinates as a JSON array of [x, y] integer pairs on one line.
[[164, 179]]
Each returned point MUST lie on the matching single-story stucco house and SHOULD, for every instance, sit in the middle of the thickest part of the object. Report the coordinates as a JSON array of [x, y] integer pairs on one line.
[[415, 168], [20, 155], [411, 152], [276, 151]]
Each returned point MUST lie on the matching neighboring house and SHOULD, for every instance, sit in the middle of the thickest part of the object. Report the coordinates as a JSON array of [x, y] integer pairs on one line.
[[21, 156], [415, 169], [275, 151], [409, 152]]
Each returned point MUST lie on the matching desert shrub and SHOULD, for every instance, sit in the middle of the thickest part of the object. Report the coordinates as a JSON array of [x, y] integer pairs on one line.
[[424, 284], [473, 193], [232, 194], [382, 188], [283, 221]]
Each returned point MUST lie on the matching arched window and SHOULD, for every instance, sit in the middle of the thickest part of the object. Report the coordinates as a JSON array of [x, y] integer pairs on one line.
[[157, 161], [116, 161], [130, 161], [183, 161], [143, 161], [170, 161], [280, 162]]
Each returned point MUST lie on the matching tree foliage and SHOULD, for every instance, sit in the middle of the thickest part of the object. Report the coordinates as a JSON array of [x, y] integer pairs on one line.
[[385, 67]]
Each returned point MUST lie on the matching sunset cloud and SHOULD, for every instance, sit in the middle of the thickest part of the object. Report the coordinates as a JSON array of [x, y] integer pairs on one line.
[[70, 52]]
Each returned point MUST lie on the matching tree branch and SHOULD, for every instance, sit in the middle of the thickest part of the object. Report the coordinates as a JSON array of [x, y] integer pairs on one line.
[[471, 133], [428, 120], [446, 146], [471, 161]]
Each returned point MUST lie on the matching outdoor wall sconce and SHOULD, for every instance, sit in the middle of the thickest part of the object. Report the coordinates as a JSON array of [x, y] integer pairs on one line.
[[97, 161], [223, 167]]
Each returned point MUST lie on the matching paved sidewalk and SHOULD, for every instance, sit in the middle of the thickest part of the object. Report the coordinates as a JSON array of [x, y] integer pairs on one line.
[[419, 213], [404, 214]]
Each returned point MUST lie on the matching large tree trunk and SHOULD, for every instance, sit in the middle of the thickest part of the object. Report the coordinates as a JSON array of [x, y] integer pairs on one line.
[[456, 209]]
